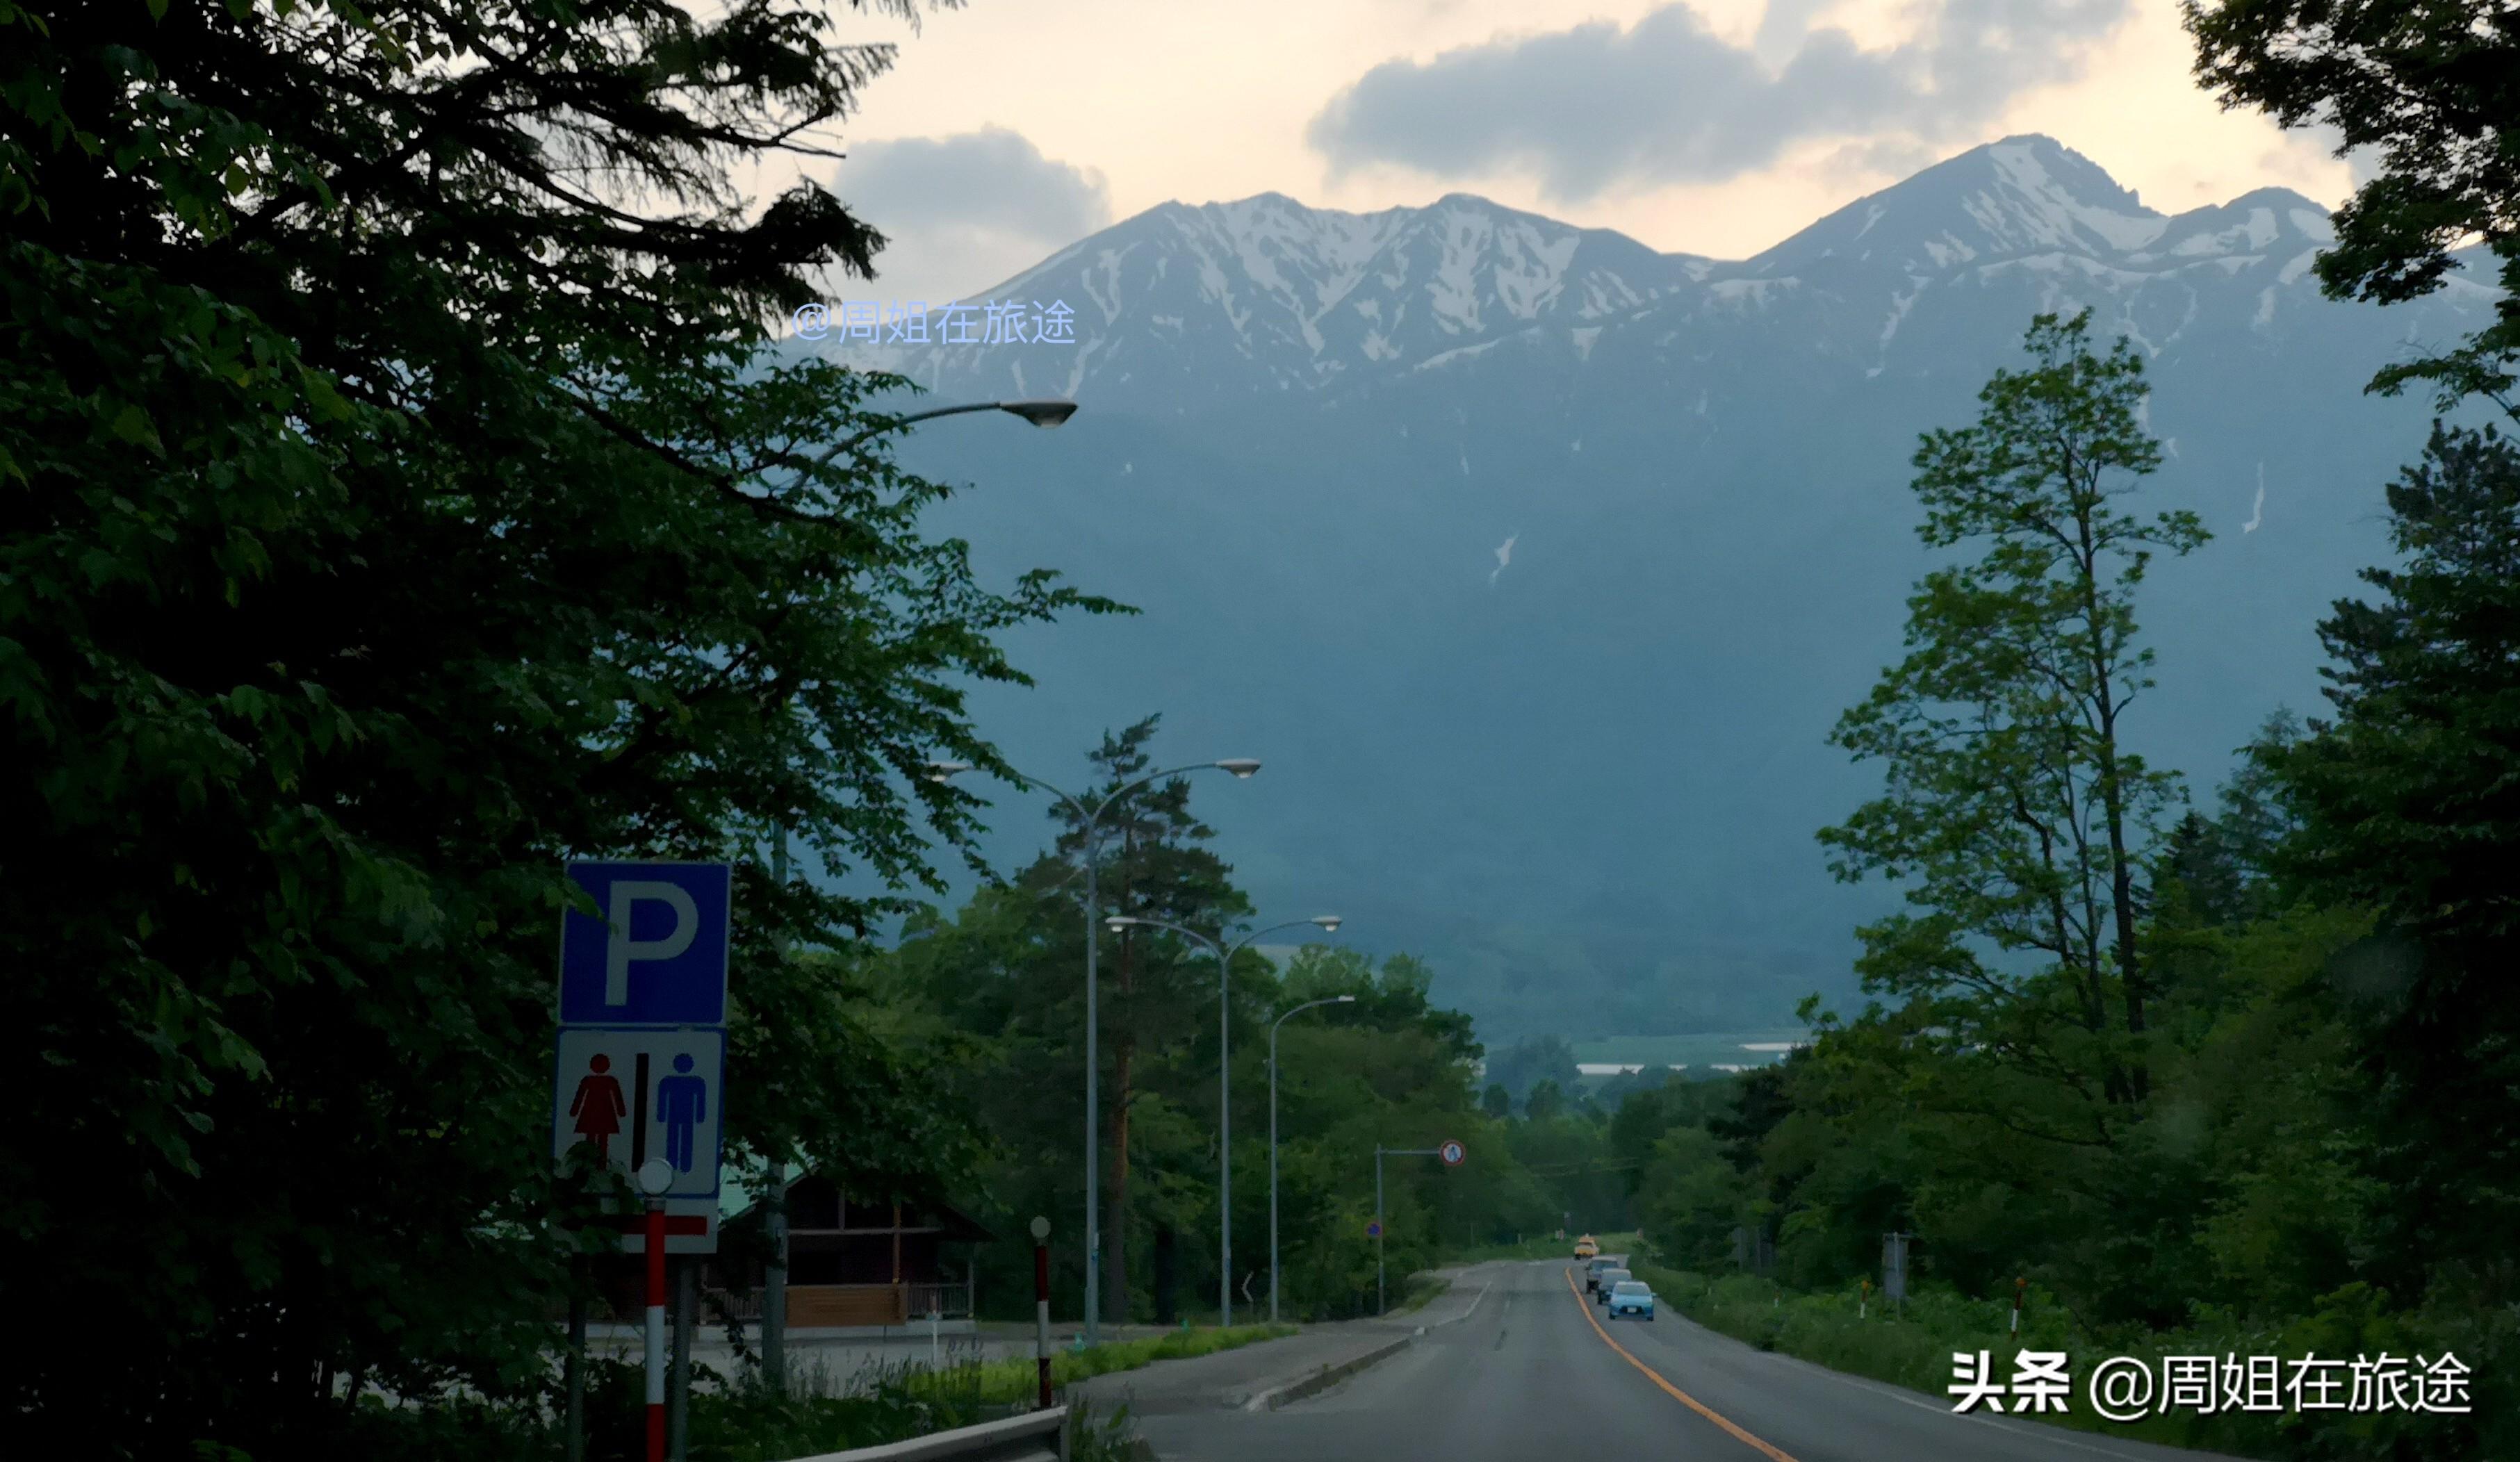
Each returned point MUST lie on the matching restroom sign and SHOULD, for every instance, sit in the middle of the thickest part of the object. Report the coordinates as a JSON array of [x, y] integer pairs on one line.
[[623, 1095]]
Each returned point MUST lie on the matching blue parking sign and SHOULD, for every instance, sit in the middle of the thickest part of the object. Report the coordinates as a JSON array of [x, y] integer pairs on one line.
[[657, 955]]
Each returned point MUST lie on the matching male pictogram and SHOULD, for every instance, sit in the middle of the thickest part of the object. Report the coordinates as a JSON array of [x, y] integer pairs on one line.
[[599, 1107], [682, 1100]]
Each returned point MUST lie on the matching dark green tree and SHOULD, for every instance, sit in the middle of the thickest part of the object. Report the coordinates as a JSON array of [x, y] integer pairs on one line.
[[2014, 812], [1526, 1063], [2410, 805], [2222, 864], [395, 501], [1160, 995], [2428, 89]]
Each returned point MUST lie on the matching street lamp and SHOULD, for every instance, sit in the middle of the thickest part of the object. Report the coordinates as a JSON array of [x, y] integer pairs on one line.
[[1336, 1000], [1042, 413], [1241, 767], [1328, 923], [774, 1296]]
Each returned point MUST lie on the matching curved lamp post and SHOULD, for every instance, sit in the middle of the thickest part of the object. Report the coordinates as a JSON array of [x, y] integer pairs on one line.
[[1336, 1000], [1091, 815], [1042, 413], [1225, 953], [774, 1299]]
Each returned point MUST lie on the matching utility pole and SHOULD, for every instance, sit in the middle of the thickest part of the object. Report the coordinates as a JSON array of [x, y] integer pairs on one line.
[[1090, 826], [1225, 953], [774, 1275], [678, 1392], [1336, 1000]]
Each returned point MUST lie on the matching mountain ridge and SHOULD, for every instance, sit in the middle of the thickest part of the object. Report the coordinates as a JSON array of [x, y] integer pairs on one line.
[[1583, 778], [1184, 307]]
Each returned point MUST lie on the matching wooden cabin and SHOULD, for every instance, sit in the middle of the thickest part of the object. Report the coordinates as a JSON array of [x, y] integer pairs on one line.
[[853, 1263]]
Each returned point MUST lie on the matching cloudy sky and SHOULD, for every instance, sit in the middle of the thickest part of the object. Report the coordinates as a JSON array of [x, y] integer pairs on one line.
[[1009, 128]]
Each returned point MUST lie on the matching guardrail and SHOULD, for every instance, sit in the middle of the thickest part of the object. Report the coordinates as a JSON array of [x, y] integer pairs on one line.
[[1034, 1436]]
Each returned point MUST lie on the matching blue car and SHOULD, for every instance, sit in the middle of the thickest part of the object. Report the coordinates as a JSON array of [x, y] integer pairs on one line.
[[1630, 1297]]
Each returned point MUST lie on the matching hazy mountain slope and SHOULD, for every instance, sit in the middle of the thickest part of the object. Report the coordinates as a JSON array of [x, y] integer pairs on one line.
[[1586, 782]]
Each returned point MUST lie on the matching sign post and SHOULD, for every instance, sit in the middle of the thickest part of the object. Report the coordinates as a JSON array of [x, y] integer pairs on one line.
[[678, 1380], [639, 1068], [575, 1379], [1041, 1303], [653, 1178]]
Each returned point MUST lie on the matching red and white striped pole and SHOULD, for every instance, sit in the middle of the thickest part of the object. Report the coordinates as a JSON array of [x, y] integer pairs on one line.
[[1041, 1303], [656, 1330]]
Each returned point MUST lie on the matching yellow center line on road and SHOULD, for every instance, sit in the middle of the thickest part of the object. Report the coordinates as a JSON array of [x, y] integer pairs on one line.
[[1674, 1392]]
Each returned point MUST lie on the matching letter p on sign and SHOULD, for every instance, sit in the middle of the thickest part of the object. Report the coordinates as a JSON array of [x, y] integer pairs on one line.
[[656, 955], [621, 949]]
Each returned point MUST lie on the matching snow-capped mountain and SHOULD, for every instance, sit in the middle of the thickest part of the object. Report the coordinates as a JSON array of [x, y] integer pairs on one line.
[[1537, 564], [1282, 296], [1184, 307]]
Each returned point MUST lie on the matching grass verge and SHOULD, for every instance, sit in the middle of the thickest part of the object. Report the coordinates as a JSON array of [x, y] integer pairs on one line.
[[737, 1418], [1004, 1382]]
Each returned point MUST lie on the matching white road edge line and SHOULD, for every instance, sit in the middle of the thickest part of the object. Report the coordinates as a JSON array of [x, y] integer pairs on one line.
[[1465, 1314]]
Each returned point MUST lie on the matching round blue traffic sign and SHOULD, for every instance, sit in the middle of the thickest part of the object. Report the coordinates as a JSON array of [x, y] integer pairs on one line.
[[1374, 1230]]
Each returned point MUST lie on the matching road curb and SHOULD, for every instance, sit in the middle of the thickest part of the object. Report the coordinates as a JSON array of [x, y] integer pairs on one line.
[[1315, 1382], [1328, 1376]]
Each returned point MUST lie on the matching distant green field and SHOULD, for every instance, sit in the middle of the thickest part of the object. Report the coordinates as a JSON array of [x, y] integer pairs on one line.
[[1696, 1052]]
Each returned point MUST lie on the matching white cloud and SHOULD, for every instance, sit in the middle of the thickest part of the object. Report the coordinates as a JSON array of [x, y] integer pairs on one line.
[[1598, 107], [964, 212]]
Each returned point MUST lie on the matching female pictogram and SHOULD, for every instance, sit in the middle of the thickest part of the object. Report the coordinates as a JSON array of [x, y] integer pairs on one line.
[[599, 1107]]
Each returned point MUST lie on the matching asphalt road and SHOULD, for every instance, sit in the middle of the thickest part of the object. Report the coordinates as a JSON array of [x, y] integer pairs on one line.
[[1533, 1372]]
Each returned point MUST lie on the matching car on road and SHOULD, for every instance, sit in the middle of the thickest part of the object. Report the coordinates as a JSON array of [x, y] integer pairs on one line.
[[1587, 1247], [1593, 1273], [1631, 1296], [1610, 1279]]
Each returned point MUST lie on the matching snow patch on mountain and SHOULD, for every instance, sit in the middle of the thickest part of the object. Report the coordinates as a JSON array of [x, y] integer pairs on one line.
[[2040, 208], [1948, 250], [1754, 290], [1899, 305], [1466, 352]]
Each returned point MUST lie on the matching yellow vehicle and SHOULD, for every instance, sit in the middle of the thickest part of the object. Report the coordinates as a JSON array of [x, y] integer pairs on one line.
[[1587, 1248]]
